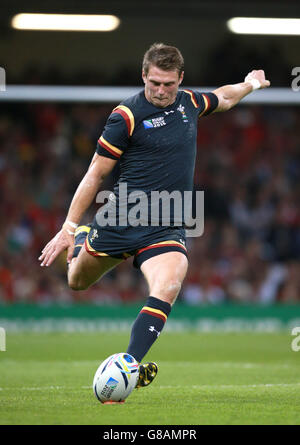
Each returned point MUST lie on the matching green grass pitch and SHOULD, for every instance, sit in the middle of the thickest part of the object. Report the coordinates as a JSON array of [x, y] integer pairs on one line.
[[240, 378]]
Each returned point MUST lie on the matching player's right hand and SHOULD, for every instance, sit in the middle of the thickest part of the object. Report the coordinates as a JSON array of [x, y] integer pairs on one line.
[[62, 241]]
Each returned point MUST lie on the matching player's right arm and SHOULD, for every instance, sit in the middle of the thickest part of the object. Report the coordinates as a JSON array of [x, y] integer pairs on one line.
[[111, 145], [99, 168]]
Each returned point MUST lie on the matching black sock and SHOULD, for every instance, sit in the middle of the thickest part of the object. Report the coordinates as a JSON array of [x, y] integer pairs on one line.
[[147, 327]]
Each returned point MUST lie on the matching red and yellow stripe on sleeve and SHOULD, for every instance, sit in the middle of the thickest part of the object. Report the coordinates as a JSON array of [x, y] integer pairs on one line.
[[193, 98], [126, 113], [195, 103], [206, 104], [109, 147], [128, 117]]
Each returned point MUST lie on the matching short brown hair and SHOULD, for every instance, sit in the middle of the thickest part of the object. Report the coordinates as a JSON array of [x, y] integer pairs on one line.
[[165, 57]]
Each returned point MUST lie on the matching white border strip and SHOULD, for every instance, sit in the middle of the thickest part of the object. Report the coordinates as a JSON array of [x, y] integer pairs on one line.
[[34, 93]]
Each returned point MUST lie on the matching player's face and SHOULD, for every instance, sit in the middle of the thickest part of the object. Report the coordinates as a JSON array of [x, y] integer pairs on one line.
[[161, 86]]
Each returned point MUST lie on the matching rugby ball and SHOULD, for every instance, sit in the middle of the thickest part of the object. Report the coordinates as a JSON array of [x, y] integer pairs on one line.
[[116, 378]]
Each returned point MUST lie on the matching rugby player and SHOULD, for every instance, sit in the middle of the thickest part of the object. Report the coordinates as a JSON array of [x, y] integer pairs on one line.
[[153, 136]]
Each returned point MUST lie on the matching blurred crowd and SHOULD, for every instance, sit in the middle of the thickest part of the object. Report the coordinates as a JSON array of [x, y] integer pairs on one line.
[[248, 165]]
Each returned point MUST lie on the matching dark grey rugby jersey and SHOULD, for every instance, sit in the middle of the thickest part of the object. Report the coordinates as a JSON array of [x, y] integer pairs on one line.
[[156, 146]]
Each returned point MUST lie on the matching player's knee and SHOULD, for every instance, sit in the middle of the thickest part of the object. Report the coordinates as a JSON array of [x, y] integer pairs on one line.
[[76, 283], [173, 288], [170, 291]]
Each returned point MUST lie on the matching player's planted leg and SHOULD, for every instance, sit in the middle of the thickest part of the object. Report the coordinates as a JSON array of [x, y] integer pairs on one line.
[[164, 274], [147, 327], [145, 331]]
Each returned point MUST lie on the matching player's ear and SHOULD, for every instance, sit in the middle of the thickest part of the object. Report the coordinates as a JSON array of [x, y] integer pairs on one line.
[[144, 77], [181, 77]]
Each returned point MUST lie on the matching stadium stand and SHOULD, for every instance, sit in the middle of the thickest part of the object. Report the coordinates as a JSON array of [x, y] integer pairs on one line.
[[248, 165]]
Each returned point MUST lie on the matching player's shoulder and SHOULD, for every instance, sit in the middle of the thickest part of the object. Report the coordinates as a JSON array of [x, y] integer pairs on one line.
[[189, 97], [128, 111], [205, 103]]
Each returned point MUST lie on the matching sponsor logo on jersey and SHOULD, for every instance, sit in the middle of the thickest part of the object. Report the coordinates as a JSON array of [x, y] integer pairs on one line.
[[148, 124], [154, 123]]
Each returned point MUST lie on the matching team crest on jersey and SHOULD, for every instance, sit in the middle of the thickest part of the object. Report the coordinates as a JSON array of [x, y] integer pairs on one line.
[[94, 235], [182, 111], [154, 123]]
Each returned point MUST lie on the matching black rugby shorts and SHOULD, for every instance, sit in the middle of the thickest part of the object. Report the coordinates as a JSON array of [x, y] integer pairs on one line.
[[141, 242]]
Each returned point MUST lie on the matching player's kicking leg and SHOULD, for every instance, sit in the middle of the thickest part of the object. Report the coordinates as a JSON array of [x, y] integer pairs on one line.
[[84, 268]]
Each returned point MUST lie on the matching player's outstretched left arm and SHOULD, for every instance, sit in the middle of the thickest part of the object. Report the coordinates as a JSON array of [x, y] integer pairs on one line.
[[230, 95]]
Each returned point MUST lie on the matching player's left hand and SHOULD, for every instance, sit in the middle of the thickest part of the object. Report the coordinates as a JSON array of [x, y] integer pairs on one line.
[[260, 76], [63, 240]]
